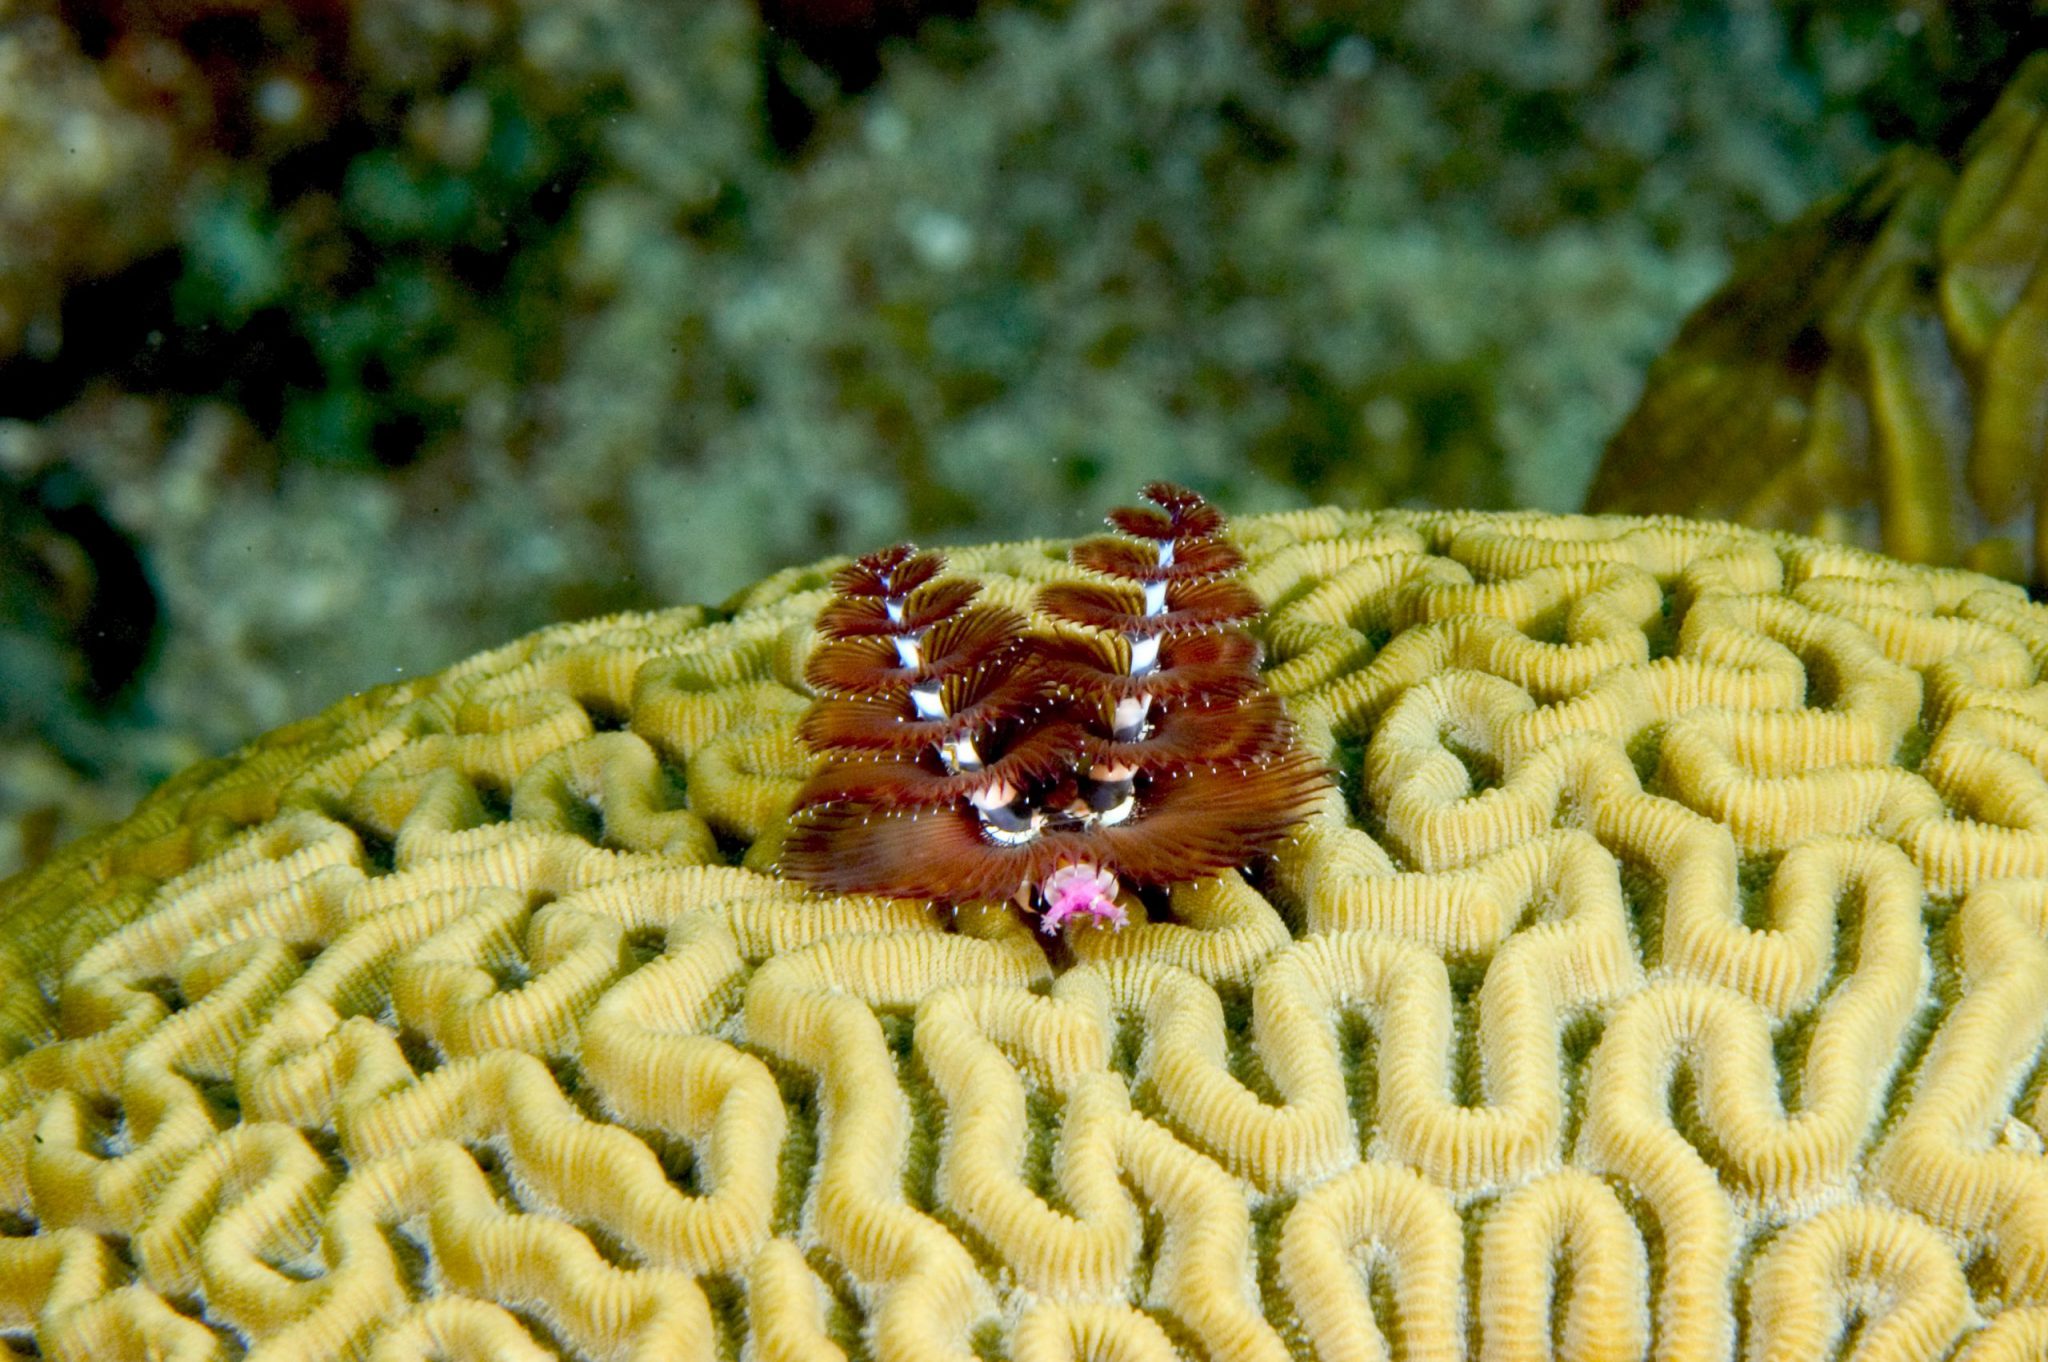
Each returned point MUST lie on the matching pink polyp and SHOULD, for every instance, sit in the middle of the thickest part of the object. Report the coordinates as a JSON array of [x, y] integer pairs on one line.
[[1079, 891]]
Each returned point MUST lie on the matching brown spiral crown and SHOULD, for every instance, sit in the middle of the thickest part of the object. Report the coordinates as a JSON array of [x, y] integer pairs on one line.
[[967, 757]]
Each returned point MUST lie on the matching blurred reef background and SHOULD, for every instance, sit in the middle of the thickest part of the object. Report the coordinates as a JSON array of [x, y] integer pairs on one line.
[[342, 338]]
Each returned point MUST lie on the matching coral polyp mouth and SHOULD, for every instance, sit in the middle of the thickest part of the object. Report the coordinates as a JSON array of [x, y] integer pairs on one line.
[[1073, 753]]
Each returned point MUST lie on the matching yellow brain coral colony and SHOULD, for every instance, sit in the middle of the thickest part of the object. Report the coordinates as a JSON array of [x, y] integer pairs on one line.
[[1665, 974], [1880, 374]]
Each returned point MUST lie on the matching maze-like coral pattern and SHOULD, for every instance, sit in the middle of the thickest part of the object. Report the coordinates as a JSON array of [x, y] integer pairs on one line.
[[1667, 976]]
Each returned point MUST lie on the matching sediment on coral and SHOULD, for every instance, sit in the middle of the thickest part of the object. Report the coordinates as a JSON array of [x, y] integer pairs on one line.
[[1876, 375], [1669, 966]]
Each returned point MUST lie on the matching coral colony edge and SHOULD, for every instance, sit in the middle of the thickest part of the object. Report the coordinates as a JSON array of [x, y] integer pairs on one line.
[[1660, 971], [969, 758]]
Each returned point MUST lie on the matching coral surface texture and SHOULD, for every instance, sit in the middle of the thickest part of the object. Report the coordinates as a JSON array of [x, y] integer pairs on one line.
[[1665, 973]]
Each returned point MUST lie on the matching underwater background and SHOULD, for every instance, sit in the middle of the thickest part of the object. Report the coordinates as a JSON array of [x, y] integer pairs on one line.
[[341, 339]]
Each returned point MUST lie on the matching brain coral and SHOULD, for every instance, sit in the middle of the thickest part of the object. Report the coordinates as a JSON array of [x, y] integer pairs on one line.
[[1667, 973], [1880, 372]]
